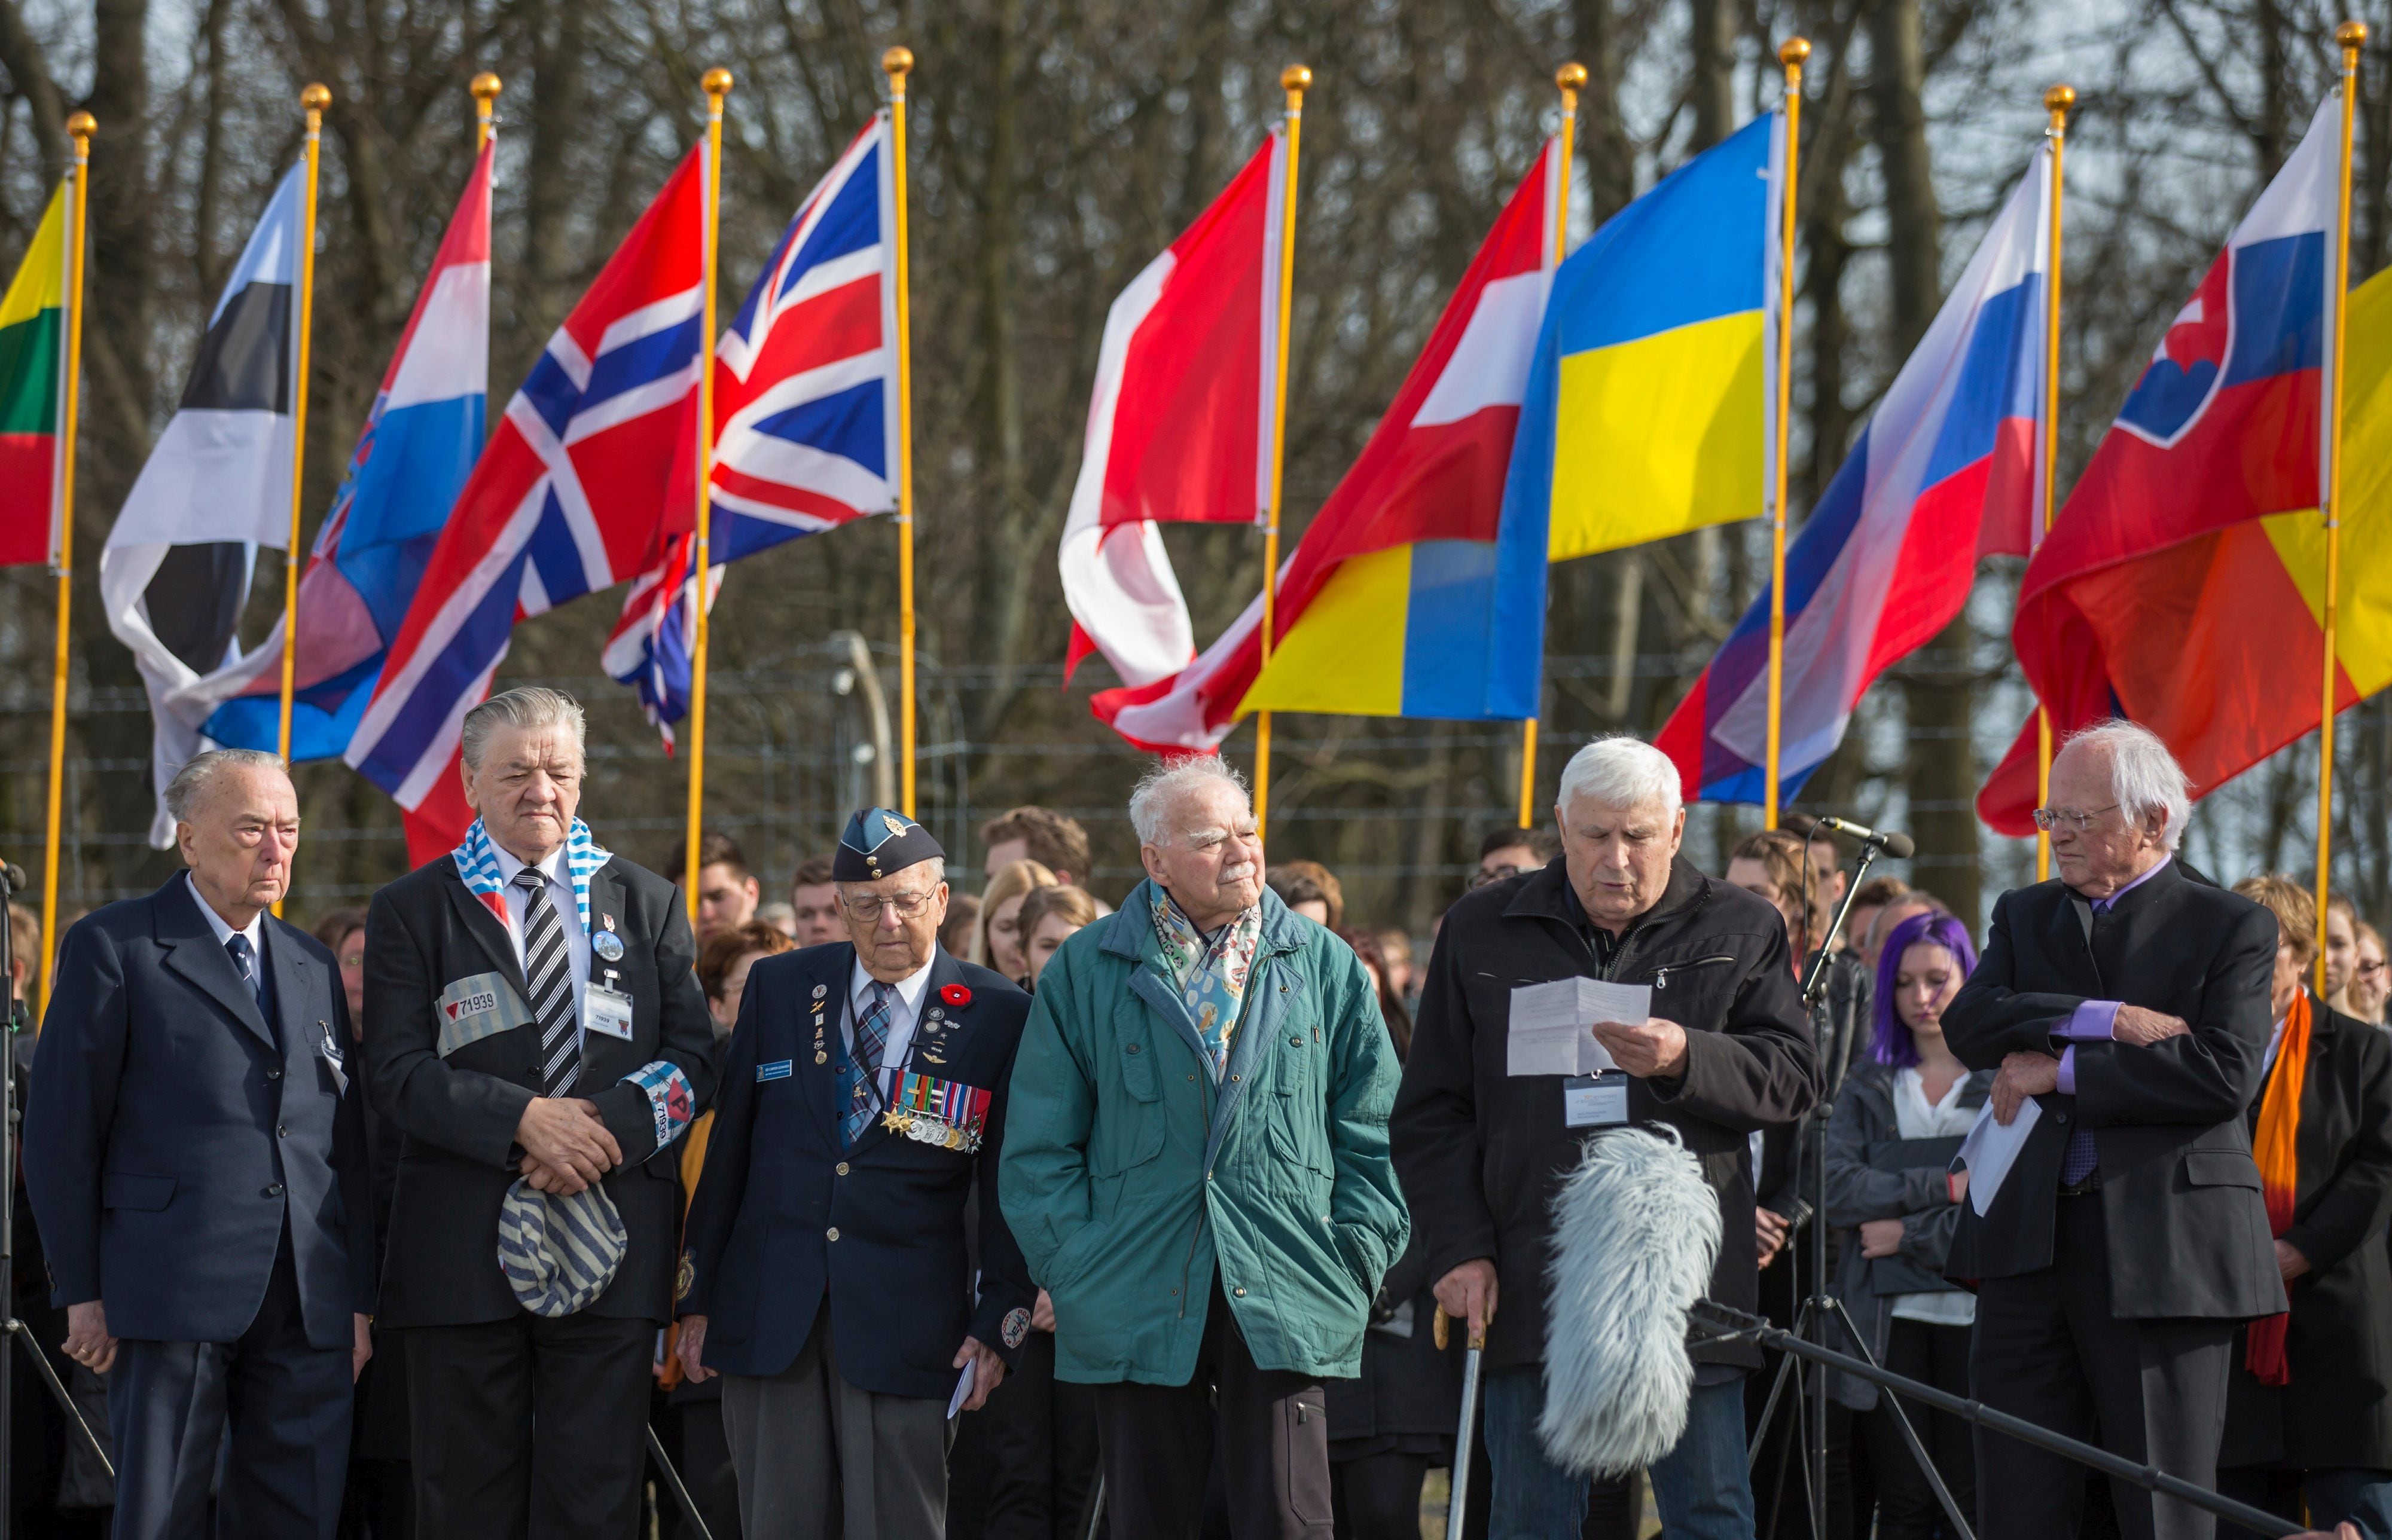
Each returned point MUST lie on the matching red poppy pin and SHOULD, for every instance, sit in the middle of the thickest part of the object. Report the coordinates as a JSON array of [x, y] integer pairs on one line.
[[956, 995]]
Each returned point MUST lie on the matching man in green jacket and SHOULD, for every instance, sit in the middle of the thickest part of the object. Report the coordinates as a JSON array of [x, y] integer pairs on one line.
[[1196, 1168]]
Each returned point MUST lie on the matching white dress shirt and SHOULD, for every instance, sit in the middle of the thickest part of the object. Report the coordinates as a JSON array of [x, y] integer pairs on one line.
[[568, 913], [1917, 1118], [255, 930], [905, 1011]]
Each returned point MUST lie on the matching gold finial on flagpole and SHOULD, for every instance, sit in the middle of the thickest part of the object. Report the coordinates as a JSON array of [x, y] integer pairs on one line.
[[2351, 36], [81, 127], [716, 82], [485, 88], [2057, 100], [1790, 53], [1294, 80]]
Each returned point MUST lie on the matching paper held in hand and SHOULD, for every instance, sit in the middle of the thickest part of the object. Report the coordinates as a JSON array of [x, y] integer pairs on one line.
[[1991, 1149], [1550, 1030]]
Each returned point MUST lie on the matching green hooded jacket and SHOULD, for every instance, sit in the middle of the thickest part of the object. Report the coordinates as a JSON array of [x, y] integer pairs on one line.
[[1129, 1176]]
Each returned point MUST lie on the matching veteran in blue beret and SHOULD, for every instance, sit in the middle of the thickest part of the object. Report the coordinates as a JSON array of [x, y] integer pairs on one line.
[[828, 1275]]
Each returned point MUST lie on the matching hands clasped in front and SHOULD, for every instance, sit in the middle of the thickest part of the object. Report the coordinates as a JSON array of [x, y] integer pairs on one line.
[[565, 1147]]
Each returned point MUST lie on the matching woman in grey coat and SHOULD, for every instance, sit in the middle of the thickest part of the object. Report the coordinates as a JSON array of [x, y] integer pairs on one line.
[[1889, 1146]]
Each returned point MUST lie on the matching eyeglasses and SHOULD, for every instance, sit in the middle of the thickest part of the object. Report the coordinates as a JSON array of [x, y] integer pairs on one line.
[[865, 908], [2080, 820], [1487, 874], [2372, 968]]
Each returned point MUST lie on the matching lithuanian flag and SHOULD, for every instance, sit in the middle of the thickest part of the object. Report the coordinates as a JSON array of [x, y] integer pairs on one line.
[[33, 352]]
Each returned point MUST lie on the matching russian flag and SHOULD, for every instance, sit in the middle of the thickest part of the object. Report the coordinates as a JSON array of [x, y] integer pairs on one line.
[[420, 441], [1944, 473]]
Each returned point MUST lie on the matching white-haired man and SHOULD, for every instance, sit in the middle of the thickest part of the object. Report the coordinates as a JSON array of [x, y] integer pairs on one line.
[[536, 1033], [1196, 1168], [2128, 998], [1482, 1149]]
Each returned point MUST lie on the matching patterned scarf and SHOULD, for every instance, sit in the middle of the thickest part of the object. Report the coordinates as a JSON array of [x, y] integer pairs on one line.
[[1210, 976], [2276, 1148], [477, 862]]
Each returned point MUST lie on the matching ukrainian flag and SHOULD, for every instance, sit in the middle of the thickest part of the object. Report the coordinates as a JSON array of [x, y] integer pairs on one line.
[[1646, 409]]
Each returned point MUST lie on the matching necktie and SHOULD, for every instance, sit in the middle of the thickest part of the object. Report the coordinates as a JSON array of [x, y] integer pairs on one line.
[[550, 978], [871, 1039], [244, 962]]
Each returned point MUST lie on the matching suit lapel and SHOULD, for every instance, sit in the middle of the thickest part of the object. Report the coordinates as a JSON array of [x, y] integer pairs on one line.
[[822, 1078], [294, 991], [486, 928], [609, 1058], [199, 957], [2064, 943]]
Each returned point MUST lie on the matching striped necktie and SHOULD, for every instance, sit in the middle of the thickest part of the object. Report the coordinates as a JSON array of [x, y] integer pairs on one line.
[[871, 1039], [548, 975]]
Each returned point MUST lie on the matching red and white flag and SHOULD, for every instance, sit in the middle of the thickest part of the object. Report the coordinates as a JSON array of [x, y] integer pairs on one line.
[[1180, 424]]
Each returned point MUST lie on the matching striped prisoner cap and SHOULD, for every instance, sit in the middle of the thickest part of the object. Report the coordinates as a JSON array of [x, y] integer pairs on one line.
[[559, 1250]]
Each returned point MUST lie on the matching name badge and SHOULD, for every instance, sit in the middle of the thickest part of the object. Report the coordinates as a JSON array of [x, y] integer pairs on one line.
[[606, 1011], [1595, 1101], [779, 1069], [330, 1053]]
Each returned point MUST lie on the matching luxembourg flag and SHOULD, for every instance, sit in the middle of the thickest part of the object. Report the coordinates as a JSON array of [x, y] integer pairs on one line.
[[1385, 606], [421, 438], [805, 406], [566, 499], [1944, 473]]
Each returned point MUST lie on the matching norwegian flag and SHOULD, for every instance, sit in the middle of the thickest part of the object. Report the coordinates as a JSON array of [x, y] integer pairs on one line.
[[566, 499], [805, 403]]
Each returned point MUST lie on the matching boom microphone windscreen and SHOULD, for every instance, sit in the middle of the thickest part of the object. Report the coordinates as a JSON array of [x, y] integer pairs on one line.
[[1636, 1231]]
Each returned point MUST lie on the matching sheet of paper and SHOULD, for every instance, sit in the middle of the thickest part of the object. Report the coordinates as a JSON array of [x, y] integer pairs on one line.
[[1990, 1150], [963, 1389], [1549, 1026]]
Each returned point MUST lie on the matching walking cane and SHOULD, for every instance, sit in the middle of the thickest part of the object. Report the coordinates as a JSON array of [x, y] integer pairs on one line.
[[1457, 1490]]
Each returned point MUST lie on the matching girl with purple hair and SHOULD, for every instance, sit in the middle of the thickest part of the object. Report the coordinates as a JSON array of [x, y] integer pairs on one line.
[[1890, 1147]]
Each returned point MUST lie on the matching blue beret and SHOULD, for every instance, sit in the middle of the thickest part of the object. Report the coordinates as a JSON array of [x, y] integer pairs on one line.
[[879, 843]]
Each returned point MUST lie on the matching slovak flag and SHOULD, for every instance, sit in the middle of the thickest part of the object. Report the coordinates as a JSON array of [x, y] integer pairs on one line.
[[805, 406], [1385, 606], [2180, 585], [1180, 424], [564, 501], [1945, 473], [421, 438]]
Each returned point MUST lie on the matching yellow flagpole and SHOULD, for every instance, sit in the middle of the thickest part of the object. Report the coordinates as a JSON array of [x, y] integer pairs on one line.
[[2352, 36], [717, 85], [1294, 80], [486, 89], [1571, 79], [898, 63], [80, 127], [2056, 101], [315, 98], [1790, 53]]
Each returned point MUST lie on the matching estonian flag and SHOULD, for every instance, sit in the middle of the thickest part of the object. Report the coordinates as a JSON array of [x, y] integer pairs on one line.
[[176, 574]]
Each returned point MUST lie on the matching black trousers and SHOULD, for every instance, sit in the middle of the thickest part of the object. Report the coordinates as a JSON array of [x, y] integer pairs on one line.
[[1042, 1445], [1157, 1443], [285, 1403], [529, 1429], [2049, 1348], [1907, 1508]]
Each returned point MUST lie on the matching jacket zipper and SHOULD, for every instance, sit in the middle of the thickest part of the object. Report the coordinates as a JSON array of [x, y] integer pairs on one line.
[[1661, 974]]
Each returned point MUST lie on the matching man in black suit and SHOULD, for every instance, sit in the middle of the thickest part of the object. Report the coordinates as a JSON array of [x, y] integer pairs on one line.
[[828, 1275], [196, 1160], [533, 1025], [2129, 1000]]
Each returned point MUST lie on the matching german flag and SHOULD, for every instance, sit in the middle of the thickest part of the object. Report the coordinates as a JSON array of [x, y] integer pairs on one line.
[[32, 351]]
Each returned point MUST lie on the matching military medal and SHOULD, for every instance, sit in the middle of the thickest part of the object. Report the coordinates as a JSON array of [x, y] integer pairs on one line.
[[944, 1113]]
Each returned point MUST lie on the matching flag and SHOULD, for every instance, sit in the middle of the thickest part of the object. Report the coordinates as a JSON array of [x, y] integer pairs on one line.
[[216, 487], [1180, 424], [1945, 472], [805, 406], [2180, 586], [1647, 405], [420, 437], [565, 499], [1385, 605], [32, 380]]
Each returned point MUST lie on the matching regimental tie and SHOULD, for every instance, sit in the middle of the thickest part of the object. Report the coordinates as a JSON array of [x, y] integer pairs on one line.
[[244, 963], [549, 975], [871, 1039]]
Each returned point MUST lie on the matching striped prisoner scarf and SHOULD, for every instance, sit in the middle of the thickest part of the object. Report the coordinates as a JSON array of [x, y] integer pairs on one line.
[[477, 863]]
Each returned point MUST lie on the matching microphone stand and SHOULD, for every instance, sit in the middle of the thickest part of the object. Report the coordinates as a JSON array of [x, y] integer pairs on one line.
[[1821, 1302]]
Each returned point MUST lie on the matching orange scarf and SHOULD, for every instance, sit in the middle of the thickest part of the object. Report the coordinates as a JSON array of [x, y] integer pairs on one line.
[[2277, 1150]]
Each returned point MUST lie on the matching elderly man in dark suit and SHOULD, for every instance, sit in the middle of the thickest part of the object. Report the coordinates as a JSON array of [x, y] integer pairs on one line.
[[196, 1160], [536, 1032], [828, 1275], [2129, 1000]]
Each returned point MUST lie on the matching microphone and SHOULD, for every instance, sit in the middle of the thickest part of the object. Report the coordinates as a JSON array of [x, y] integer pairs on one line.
[[12, 876], [1636, 1233], [1899, 846]]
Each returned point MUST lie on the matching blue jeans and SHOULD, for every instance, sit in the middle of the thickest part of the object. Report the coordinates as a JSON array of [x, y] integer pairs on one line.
[[1702, 1486]]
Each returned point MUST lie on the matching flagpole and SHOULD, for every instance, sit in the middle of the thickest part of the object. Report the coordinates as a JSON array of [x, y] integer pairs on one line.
[[486, 89], [717, 85], [1571, 79], [2352, 36], [1294, 80], [1791, 52], [315, 98], [898, 63], [2056, 101], [80, 127]]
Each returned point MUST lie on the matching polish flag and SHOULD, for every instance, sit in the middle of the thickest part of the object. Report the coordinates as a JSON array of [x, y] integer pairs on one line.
[[1432, 471], [1179, 425]]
